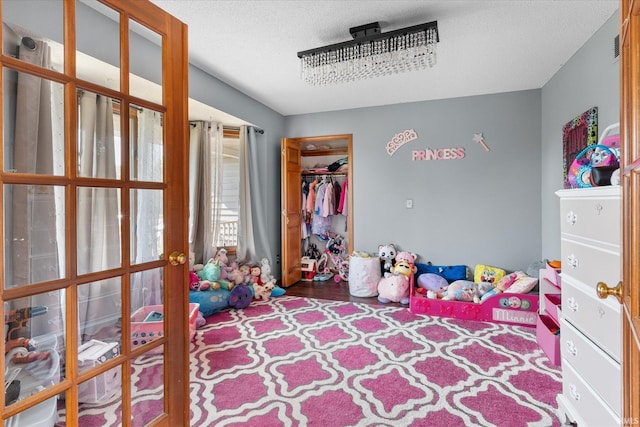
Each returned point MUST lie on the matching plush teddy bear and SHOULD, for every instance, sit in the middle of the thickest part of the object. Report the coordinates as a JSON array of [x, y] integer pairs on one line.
[[406, 256], [263, 292], [387, 255]]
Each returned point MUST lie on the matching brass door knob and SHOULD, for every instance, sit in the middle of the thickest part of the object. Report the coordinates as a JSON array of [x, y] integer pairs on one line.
[[604, 291], [177, 258]]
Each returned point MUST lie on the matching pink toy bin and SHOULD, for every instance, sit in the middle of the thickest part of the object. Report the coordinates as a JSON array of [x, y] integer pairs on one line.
[[548, 335], [144, 332]]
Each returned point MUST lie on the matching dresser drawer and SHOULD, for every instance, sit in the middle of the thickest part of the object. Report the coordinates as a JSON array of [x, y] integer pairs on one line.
[[597, 369], [590, 264], [600, 320], [591, 213], [584, 401]]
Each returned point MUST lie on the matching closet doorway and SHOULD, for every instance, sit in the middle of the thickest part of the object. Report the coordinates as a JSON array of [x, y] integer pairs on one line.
[[323, 159]]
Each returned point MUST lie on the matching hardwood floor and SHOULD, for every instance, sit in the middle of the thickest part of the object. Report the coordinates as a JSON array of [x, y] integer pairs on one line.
[[330, 290]]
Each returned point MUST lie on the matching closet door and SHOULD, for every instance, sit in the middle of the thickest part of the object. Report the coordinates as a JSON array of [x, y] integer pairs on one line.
[[93, 183], [291, 212]]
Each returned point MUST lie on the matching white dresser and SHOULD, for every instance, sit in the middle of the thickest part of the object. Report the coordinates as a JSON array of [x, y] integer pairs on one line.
[[590, 337]]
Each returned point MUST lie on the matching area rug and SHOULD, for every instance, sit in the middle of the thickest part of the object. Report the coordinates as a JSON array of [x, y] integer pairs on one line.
[[294, 362]]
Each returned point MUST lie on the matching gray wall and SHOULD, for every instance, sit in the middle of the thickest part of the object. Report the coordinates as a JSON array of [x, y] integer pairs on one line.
[[483, 208], [590, 78]]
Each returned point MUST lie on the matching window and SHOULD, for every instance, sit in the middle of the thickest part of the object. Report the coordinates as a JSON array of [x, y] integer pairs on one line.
[[229, 205]]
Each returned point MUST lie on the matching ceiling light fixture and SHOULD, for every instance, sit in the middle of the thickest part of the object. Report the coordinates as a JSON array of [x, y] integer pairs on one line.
[[371, 54]]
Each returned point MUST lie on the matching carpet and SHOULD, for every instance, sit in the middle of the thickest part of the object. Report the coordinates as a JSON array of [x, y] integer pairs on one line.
[[293, 361]]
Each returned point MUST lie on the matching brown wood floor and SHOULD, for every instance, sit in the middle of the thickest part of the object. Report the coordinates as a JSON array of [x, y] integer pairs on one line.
[[330, 290]]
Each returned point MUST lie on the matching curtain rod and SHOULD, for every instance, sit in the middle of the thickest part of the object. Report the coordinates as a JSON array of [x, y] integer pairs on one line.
[[257, 129]]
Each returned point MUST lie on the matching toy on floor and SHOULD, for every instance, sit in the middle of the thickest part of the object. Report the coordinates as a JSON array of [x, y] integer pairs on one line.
[[395, 288], [221, 257], [387, 255], [462, 290], [265, 270], [263, 292]]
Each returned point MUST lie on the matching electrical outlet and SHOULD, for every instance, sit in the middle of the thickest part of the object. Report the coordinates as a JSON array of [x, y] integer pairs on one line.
[[409, 203]]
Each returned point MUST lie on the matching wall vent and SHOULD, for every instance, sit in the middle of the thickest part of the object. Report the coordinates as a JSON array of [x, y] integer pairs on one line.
[[616, 46]]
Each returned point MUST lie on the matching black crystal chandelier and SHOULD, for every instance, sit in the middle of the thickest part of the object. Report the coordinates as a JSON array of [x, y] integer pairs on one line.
[[371, 53]]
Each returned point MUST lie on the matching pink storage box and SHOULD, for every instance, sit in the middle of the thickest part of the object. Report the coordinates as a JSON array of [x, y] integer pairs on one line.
[[515, 309], [548, 335], [144, 332], [552, 306]]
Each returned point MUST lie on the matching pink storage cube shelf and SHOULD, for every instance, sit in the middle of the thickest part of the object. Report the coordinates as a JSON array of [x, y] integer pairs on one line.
[[552, 275], [552, 306], [144, 332], [515, 309], [548, 336]]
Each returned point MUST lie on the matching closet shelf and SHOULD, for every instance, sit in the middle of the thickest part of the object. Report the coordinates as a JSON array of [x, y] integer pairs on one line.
[[326, 152], [309, 173]]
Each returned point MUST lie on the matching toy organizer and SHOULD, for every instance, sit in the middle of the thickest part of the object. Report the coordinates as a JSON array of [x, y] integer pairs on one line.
[[511, 308]]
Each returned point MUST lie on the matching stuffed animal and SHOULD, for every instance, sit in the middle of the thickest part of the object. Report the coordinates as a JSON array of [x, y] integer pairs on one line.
[[245, 270], [462, 290], [234, 275], [221, 257], [265, 270], [387, 255], [406, 256], [264, 291], [394, 288], [432, 282], [210, 271], [240, 297], [404, 268]]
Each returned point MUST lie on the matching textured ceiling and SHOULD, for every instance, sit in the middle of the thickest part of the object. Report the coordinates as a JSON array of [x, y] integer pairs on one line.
[[485, 46]]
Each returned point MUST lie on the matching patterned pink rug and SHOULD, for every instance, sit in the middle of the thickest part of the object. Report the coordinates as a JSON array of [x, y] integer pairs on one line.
[[295, 361]]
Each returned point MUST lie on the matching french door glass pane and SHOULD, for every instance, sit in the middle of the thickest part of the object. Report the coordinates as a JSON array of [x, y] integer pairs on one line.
[[24, 19], [147, 388], [33, 135], [35, 347], [98, 227], [147, 146], [99, 319], [147, 311], [145, 62], [34, 237], [147, 225], [99, 150], [97, 57]]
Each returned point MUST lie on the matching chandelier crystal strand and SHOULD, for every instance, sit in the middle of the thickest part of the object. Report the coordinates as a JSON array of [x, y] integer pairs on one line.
[[396, 53]]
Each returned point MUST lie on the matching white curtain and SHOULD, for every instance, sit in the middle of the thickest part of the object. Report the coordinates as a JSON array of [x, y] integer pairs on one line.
[[98, 215], [252, 228], [37, 213], [205, 188]]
